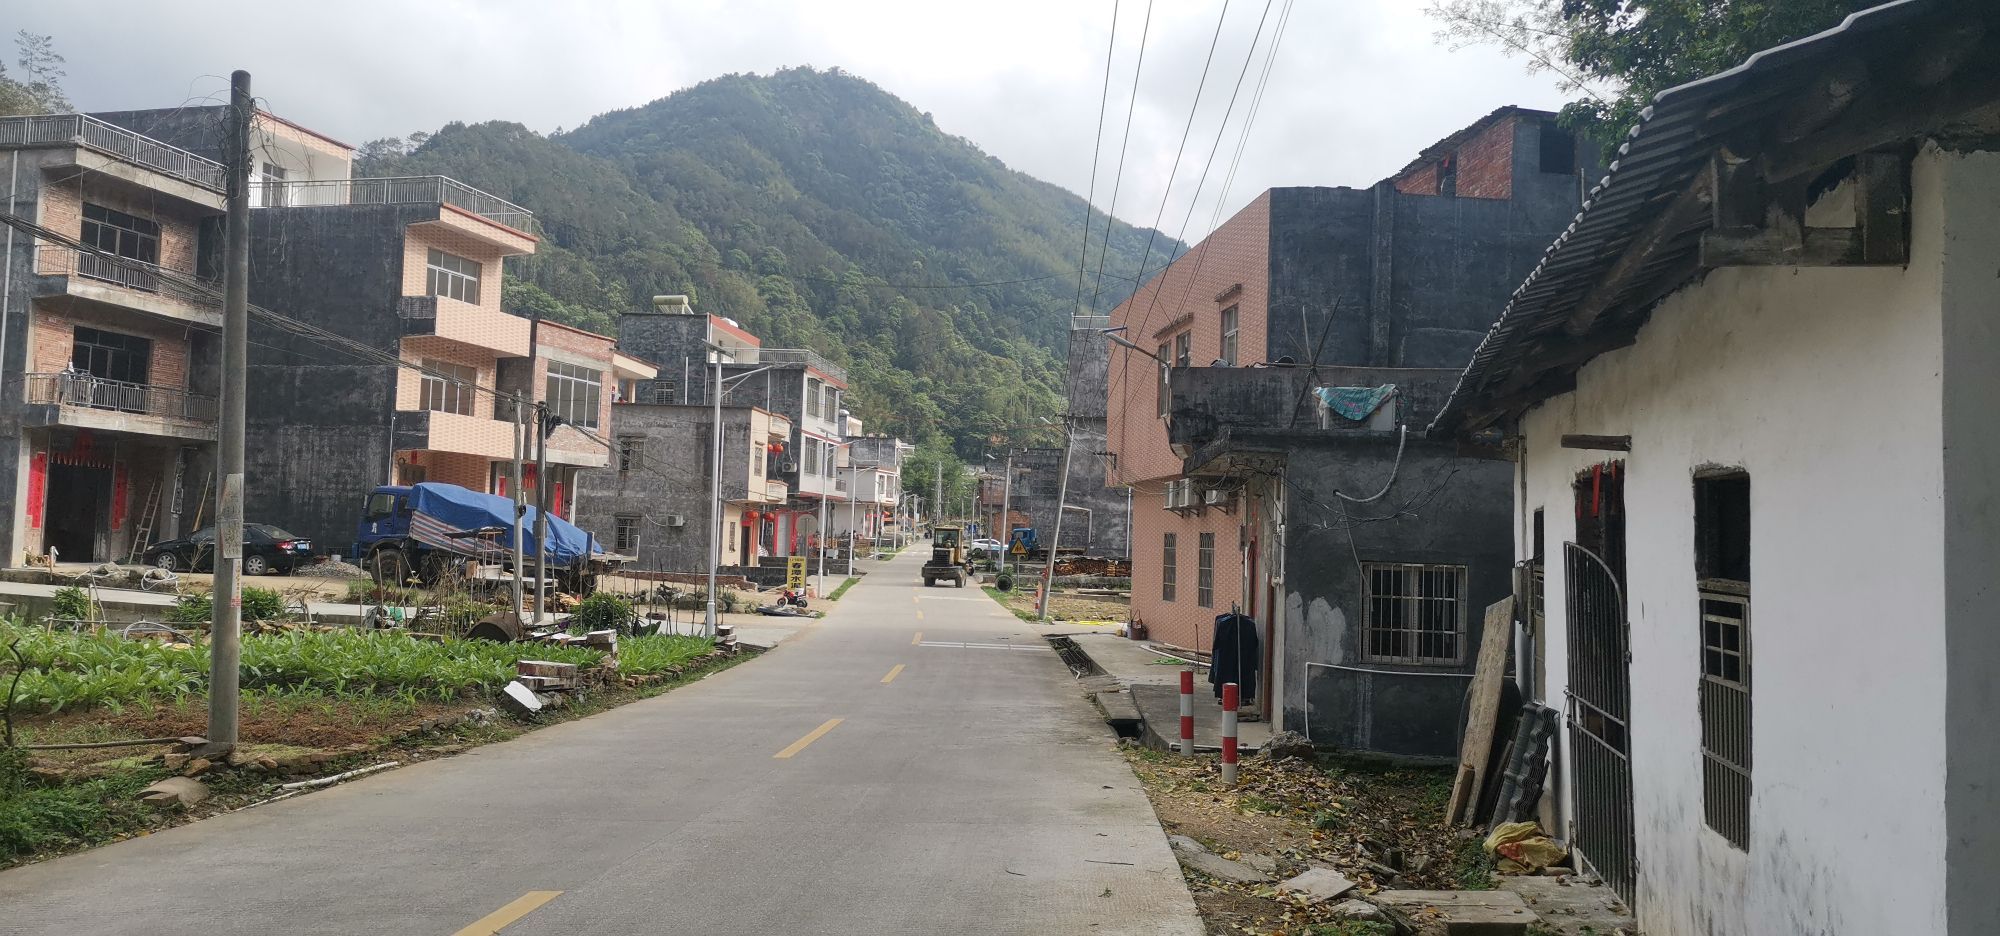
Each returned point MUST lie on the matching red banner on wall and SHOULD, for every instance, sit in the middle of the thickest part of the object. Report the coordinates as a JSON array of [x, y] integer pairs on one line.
[[120, 480], [38, 488]]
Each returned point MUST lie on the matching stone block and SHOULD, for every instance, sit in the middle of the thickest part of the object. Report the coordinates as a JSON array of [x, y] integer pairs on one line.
[[1463, 913], [1318, 884]]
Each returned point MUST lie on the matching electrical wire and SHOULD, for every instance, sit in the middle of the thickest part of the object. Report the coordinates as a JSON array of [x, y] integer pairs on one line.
[[1096, 151], [1118, 178]]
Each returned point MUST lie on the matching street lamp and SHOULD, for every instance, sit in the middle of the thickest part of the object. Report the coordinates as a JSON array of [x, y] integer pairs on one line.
[[715, 480]]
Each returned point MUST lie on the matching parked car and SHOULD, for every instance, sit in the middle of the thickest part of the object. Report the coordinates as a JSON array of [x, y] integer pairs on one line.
[[266, 550], [994, 548]]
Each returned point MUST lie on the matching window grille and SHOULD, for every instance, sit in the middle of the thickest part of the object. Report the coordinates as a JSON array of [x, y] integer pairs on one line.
[[631, 452], [1204, 572], [448, 387], [625, 534], [1413, 613], [452, 276], [1169, 565]]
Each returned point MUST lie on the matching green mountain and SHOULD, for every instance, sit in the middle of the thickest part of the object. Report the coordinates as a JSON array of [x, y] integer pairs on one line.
[[822, 212]]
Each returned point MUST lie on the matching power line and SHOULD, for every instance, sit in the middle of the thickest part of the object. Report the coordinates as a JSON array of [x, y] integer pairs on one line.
[[1096, 150], [1118, 178], [1186, 131]]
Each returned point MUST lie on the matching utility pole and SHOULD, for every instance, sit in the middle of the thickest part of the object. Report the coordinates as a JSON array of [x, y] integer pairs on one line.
[[853, 535], [520, 496], [937, 508], [1055, 536], [542, 429], [225, 635], [1007, 512], [714, 494]]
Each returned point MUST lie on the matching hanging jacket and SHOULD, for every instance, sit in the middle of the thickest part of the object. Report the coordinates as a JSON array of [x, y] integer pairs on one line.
[[1237, 656]]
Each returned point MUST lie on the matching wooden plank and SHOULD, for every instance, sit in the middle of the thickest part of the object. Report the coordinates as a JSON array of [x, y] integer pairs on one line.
[[1607, 443], [1477, 748]]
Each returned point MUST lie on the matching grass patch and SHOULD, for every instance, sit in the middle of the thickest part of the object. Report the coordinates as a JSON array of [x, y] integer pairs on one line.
[[844, 586], [1001, 597], [656, 654], [1472, 866], [1352, 928], [35, 818]]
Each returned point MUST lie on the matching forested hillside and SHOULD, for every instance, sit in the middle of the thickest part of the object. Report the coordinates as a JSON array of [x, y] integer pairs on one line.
[[820, 211]]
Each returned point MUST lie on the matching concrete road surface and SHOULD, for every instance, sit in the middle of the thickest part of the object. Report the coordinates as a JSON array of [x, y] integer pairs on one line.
[[916, 763]]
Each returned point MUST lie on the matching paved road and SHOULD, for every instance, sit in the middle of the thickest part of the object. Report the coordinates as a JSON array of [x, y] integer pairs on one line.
[[901, 768]]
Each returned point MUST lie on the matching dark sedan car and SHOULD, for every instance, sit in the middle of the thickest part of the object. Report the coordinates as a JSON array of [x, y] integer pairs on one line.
[[266, 549]]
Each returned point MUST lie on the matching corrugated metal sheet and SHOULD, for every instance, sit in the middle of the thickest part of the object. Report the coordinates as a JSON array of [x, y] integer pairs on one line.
[[1658, 160]]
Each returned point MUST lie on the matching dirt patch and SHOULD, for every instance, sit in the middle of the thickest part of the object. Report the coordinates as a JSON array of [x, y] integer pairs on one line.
[[1064, 606], [330, 723], [1378, 824]]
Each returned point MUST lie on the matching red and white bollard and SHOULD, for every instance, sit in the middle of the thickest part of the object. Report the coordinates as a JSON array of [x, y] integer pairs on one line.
[[1187, 710], [1229, 702]]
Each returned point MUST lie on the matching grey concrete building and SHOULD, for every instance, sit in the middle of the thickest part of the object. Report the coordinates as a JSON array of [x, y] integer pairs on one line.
[[799, 385], [111, 350], [653, 503], [1369, 608], [1101, 508]]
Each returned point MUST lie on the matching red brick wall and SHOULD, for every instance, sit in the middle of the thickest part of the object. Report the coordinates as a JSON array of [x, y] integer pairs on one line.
[[1486, 162], [1422, 181], [1237, 252], [62, 211], [52, 334]]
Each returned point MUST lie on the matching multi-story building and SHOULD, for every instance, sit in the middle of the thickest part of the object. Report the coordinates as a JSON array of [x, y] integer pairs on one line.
[[874, 483], [108, 411], [798, 384], [654, 504], [1099, 517], [1243, 502], [412, 265]]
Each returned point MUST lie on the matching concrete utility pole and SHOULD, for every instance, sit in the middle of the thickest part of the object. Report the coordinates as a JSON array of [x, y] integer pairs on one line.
[[520, 496], [937, 509], [225, 640], [1006, 532], [714, 495], [1055, 536], [541, 469], [853, 535]]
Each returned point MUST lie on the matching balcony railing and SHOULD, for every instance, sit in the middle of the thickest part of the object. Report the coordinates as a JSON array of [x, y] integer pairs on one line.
[[806, 356], [91, 392], [91, 133], [58, 260], [401, 190]]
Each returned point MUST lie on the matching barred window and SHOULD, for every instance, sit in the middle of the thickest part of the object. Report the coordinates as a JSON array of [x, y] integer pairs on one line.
[[1413, 613], [452, 276], [574, 393], [631, 452], [1170, 567], [1166, 378], [1204, 572], [625, 534], [812, 456], [663, 390], [1722, 563], [447, 387]]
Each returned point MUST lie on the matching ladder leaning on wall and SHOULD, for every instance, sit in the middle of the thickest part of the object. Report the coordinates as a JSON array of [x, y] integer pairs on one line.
[[143, 536]]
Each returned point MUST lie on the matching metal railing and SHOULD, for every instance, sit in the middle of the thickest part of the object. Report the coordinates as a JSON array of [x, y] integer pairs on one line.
[[112, 140], [806, 356], [1089, 322], [58, 260], [398, 190], [88, 391]]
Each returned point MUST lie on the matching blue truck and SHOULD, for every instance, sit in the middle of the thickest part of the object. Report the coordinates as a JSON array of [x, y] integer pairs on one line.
[[427, 530]]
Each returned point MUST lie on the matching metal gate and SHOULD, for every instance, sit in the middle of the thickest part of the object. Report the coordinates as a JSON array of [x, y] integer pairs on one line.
[[1600, 703]]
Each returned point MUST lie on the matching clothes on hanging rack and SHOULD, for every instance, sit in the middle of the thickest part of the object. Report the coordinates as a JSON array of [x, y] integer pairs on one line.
[[1237, 655]]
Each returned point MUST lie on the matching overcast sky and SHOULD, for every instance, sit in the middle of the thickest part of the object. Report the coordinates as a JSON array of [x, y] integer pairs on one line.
[[1358, 88]]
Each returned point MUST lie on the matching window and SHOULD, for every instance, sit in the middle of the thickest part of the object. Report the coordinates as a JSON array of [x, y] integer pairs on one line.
[[812, 397], [116, 232], [732, 536], [1204, 571], [1170, 570], [1229, 327], [1413, 613], [453, 276], [1722, 563], [274, 185], [663, 391], [574, 393], [1166, 394], [1558, 150], [812, 456], [1184, 349], [447, 387], [756, 460], [381, 506], [111, 356], [625, 534], [832, 401], [631, 453]]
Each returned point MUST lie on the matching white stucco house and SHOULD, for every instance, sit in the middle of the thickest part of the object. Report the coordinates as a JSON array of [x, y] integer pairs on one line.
[[1752, 398]]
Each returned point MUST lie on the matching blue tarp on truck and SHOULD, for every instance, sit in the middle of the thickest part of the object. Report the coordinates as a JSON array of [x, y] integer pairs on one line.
[[440, 510]]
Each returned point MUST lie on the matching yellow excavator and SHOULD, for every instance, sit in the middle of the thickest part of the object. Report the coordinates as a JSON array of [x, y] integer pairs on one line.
[[947, 557]]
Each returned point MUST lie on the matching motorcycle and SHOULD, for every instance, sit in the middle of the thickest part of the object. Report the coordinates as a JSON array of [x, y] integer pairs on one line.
[[792, 598]]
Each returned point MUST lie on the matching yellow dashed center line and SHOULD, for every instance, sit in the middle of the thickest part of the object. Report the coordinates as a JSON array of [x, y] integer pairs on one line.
[[920, 615], [892, 674], [814, 735], [917, 639], [500, 919]]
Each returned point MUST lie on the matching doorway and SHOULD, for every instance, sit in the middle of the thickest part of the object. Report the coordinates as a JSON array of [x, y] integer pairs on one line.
[[1600, 680], [749, 545], [77, 497]]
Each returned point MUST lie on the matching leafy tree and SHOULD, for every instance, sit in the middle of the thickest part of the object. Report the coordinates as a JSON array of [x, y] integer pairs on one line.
[[39, 89], [1619, 53]]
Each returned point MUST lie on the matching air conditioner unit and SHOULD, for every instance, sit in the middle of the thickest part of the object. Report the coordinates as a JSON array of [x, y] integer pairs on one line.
[[787, 466], [676, 521], [1215, 497]]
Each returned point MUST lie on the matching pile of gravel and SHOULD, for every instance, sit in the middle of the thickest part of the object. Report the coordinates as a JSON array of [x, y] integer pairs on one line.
[[332, 567]]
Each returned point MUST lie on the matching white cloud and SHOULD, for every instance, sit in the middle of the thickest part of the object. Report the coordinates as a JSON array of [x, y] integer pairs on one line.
[[1359, 86]]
